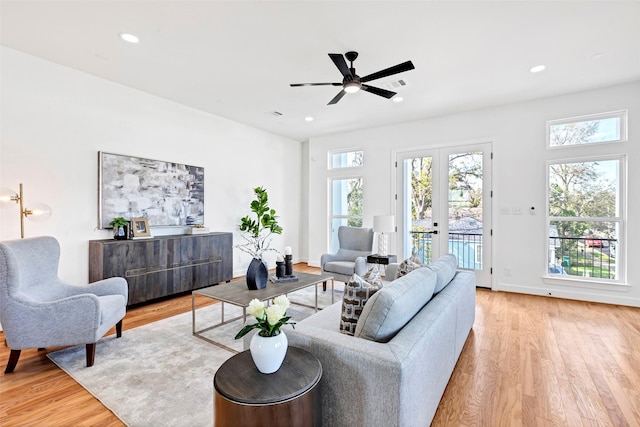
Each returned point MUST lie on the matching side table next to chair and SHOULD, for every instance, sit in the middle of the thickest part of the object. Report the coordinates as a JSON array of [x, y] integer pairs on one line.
[[379, 260]]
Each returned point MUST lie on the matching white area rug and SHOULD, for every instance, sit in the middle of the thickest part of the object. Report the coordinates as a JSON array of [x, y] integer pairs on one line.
[[160, 374]]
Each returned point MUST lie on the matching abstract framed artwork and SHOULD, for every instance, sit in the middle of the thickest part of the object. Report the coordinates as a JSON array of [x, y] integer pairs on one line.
[[165, 193]]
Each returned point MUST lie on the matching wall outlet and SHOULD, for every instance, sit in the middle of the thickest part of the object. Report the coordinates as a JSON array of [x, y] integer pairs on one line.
[[505, 211], [516, 211], [507, 271]]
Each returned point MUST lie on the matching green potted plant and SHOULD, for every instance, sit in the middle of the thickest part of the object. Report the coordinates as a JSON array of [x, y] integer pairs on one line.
[[257, 235], [120, 226]]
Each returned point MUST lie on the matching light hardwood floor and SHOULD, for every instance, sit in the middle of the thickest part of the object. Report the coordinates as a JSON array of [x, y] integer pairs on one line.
[[529, 361]]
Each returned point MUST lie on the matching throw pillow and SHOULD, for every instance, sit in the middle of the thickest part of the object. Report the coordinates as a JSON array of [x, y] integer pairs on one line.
[[356, 294], [373, 277], [408, 265]]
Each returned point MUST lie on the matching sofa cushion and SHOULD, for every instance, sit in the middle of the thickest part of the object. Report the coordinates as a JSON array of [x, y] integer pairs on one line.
[[408, 265], [357, 292], [392, 307], [445, 268]]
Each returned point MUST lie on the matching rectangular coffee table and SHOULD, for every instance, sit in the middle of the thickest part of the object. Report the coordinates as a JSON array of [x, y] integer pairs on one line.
[[238, 294]]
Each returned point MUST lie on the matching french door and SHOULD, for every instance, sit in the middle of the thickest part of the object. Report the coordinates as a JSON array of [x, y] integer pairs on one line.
[[444, 206]]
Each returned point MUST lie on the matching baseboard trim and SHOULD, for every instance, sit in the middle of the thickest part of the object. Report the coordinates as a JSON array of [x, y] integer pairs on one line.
[[584, 295]]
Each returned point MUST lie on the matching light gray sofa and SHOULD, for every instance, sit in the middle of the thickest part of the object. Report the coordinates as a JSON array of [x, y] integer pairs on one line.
[[399, 382]]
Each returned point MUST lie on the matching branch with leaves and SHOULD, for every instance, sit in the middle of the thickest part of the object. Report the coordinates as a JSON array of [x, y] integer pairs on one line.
[[259, 229]]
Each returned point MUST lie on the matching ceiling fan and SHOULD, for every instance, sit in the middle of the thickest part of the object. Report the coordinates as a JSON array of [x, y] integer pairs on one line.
[[352, 82]]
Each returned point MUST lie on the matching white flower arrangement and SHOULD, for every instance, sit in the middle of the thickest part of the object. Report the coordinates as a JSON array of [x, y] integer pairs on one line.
[[269, 319]]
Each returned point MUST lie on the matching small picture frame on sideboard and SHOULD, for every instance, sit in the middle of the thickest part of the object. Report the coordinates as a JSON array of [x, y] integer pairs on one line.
[[140, 227]]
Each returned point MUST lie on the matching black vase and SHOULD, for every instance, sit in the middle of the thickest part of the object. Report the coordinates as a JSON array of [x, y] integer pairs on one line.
[[257, 275]]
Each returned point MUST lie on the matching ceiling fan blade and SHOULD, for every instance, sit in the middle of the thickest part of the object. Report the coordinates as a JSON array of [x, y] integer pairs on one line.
[[338, 59], [378, 91], [337, 98], [405, 66], [314, 84]]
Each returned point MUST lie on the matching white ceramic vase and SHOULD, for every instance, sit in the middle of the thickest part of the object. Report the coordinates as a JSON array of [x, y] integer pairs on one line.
[[268, 352]]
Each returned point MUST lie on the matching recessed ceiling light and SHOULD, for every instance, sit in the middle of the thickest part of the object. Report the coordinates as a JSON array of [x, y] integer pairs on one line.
[[537, 68], [397, 98], [308, 119], [129, 38], [597, 56]]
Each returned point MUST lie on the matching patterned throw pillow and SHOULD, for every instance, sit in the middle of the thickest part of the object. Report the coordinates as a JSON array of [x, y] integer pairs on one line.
[[408, 265], [372, 277], [356, 294]]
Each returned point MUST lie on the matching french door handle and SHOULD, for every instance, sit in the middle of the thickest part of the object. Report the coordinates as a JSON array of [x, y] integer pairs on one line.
[[434, 232]]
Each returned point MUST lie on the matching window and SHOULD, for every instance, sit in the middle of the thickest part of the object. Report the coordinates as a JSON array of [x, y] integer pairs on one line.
[[595, 128], [346, 205], [585, 222], [346, 193], [346, 159]]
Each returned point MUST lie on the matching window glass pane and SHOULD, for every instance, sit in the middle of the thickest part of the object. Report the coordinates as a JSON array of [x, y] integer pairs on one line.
[[584, 219], [584, 189], [346, 206], [465, 208], [606, 129], [347, 197], [419, 178], [348, 159], [581, 248]]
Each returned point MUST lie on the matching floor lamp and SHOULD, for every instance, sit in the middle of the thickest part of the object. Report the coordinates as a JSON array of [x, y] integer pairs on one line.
[[38, 212], [383, 224]]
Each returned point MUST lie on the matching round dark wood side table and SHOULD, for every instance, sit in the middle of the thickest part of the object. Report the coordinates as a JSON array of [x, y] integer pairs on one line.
[[288, 397]]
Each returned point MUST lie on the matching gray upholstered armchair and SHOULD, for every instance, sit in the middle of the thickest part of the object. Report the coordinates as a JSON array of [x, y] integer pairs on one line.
[[355, 244], [37, 310]]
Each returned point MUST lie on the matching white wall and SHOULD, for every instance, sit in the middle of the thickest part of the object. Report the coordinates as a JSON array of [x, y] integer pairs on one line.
[[55, 120], [517, 134]]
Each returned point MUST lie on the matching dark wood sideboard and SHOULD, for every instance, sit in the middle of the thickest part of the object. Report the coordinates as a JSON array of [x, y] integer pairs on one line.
[[165, 265]]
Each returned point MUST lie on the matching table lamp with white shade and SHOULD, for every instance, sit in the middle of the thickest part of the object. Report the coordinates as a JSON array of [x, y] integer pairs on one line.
[[383, 224]]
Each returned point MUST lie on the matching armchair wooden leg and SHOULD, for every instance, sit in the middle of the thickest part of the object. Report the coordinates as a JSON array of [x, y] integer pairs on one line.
[[13, 361], [119, 329], [91, 354], [324, 286]]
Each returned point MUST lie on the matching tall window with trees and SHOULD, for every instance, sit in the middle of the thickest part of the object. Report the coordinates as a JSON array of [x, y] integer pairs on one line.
[[585, 206], [346, 193]]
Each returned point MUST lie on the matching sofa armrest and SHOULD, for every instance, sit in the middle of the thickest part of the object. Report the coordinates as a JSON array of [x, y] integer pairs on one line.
[[351, 367], [391, 270]]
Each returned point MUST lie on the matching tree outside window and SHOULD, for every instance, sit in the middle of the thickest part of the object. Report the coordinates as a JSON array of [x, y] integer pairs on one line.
[[584, 209]]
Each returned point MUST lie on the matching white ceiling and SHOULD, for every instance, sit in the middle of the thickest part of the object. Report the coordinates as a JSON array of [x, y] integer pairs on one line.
[[236, 59]]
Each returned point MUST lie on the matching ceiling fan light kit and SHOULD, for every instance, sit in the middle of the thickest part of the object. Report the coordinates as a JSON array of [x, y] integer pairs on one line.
[[351, 87], [351, 82]]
